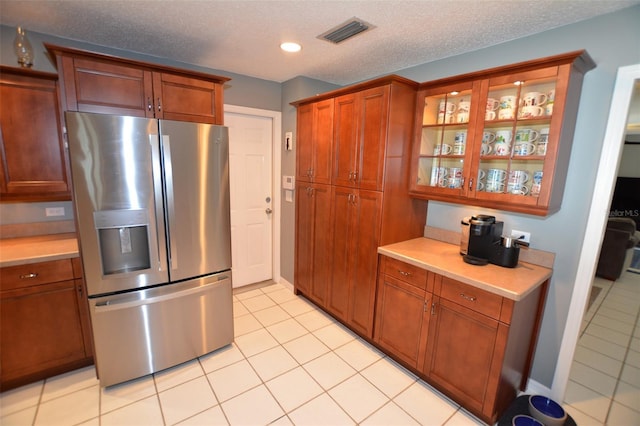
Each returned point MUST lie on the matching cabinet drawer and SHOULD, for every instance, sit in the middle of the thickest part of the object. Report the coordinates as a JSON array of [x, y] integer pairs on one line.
[[405, 272], [471, 297], [20, 276]]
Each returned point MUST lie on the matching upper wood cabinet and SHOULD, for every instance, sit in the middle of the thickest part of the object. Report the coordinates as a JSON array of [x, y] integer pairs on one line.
[[32, 163], [360, 137], [499, 138], [315, 142], [109, 85]]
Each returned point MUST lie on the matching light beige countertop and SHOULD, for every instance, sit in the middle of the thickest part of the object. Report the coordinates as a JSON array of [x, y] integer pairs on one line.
[[42, 248], [445, 259]]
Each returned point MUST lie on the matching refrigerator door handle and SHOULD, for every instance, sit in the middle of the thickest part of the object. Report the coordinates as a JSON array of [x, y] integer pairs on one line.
[[157, 199], [171, 211], [134, 301]]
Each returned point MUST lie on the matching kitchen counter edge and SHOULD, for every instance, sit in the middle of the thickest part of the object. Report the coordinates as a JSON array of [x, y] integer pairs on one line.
[[445, 259], [42, 248]]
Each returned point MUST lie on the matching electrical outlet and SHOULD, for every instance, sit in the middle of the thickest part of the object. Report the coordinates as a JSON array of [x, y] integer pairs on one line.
[[54, 211], [527, 235]]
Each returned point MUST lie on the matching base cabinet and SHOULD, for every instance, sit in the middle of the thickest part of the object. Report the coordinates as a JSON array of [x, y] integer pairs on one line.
[[313, 242], [473, 345], [463, 346], [356, 216], [44, 322], [403, 310]]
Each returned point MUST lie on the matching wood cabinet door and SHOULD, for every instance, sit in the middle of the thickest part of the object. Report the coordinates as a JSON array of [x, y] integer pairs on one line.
[[32, 163], [372, 130], [39, 329], [304, 145], [183, 98], [343, 223], [313, 242], [315, 142], [367, 209], [360, 138], [402, 316], [107, 88], [345, 155], [464, 352]]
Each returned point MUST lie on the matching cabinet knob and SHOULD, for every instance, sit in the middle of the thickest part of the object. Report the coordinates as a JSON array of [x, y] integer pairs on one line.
[[159, 105], [28, 276], [404, 274], [149, 105]]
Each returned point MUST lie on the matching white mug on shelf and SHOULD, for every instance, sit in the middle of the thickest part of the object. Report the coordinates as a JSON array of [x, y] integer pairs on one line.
[[517, 188], [519, 176], [507, 107], [543, 140], [439, 176], [531, 111], [526, 135], [442, 149], [459, 143], [494, 186], [496, 175], [524, 148], [534, 99], [488, 137]]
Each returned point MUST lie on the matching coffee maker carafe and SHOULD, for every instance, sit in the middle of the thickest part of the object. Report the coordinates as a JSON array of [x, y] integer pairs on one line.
[[484, 237]]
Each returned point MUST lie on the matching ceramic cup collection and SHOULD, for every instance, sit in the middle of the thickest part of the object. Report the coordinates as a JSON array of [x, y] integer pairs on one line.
[[537, 183], [462, 115], [495, 180], [439, 176], [507, 107], [517, 182], [543, 139], [482, 175], [503, 142], [442, 149], [454, 177], [446, 112], [490, 111], [460, 143]]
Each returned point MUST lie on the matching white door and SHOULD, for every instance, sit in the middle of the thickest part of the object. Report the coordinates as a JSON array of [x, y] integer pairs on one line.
[[250, 175]]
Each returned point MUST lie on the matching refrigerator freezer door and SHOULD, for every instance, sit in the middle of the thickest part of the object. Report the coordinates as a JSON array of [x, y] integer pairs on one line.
[[144, 331], [196, 158], [118, 198]]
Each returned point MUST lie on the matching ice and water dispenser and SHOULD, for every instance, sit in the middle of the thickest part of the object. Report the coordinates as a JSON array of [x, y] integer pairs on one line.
[[123, 236]]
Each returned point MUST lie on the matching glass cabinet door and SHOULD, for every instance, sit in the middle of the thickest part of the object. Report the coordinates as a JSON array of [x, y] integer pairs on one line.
[[515, 136], [442, 140]]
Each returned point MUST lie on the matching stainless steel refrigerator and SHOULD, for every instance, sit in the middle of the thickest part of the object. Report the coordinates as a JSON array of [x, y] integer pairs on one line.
[[153, 215]]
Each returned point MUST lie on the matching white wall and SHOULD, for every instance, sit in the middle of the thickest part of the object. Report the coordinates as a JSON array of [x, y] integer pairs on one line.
[[612, 41], [630, 162]]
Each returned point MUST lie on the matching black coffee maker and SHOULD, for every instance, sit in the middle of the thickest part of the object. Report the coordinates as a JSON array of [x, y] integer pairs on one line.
[[488, 245]]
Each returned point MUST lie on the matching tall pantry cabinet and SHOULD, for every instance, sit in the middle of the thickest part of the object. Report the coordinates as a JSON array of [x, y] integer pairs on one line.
[[368, 141]]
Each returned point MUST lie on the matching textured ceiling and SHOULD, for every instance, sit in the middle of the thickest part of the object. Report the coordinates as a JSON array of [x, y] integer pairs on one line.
[[244, 36]]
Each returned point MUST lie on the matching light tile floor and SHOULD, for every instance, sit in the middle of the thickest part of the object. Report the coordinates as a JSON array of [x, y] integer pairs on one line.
[[290, 364], [604, 383]]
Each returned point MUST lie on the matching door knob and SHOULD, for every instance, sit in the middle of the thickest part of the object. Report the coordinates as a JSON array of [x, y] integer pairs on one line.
[[268, 210]]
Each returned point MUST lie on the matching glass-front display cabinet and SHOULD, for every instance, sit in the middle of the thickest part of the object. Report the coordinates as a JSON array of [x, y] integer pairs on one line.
[[499, 138], [443, 139]]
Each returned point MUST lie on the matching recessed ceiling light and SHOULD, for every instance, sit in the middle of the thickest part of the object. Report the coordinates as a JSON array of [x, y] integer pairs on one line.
[[290, 47]]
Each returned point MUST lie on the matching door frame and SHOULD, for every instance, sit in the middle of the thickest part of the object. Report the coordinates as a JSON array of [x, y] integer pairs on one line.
[[276, 181], [598, 215]]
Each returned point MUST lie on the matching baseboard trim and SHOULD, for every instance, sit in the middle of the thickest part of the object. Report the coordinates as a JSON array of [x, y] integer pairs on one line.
[[536, 388]]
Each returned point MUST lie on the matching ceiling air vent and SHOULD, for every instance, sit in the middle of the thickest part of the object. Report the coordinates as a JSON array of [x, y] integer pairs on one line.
[[346, 30]]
